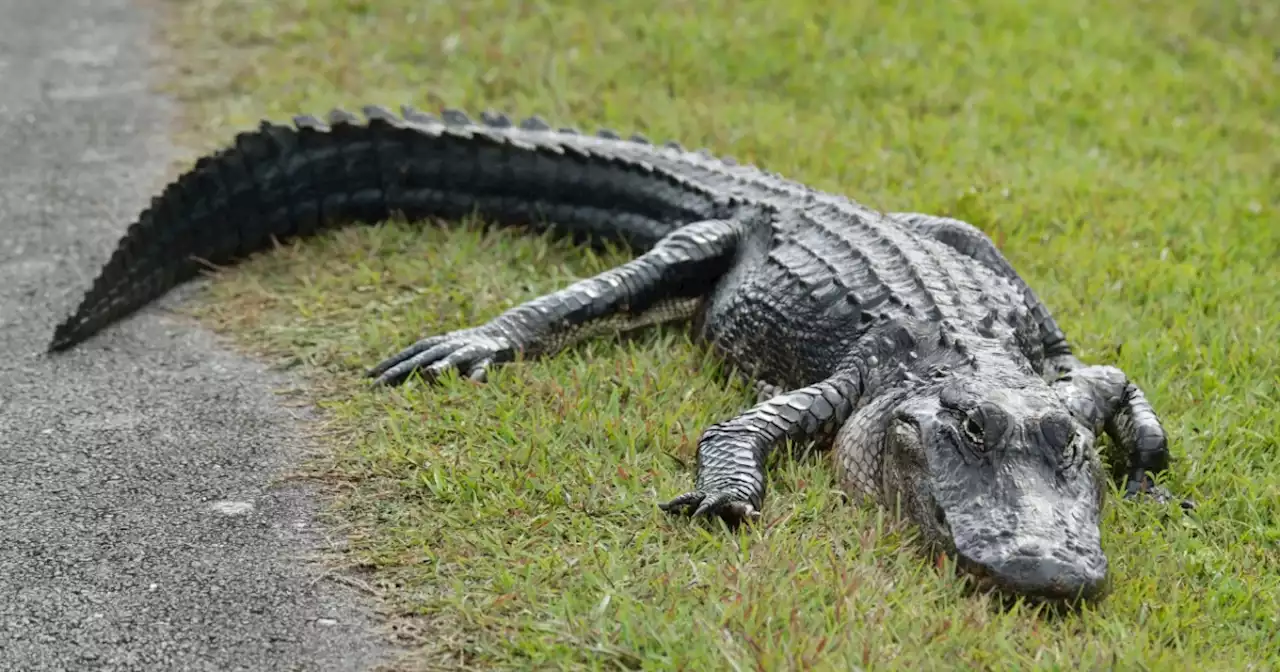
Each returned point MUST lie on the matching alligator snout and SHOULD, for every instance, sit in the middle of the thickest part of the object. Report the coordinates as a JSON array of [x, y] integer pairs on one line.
[[1047, 558], [1045, 575]]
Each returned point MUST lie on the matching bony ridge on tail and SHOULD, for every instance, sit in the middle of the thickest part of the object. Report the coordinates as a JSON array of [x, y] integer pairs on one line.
[[904, 343]]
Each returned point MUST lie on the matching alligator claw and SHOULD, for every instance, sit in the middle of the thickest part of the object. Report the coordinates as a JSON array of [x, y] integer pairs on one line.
[[726, 505], [471, 352], [1140, 488]]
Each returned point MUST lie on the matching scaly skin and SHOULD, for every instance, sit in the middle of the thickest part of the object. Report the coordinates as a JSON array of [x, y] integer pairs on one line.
[[905, 341]]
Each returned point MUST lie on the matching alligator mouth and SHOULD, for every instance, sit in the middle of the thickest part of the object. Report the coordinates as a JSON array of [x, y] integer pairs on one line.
[[1009, 575], [978, 581], [1009, 591]]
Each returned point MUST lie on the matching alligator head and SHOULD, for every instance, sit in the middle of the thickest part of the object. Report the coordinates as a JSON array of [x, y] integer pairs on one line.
[[997, 474]]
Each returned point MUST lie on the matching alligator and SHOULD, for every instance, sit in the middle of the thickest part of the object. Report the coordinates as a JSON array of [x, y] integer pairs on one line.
[[903, 344]]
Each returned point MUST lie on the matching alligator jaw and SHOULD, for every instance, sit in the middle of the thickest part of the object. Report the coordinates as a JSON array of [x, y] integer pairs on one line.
[[1040, 563]]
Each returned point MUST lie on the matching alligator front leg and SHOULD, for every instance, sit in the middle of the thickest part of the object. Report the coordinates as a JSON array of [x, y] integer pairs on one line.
[[732, 454], [1104, 398], [660, 285]]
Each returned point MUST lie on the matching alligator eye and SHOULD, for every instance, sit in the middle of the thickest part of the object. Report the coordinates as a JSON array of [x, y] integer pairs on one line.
[[972, 430]]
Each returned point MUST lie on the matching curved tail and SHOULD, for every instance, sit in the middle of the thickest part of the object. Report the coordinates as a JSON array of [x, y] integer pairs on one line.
[[281, 182]]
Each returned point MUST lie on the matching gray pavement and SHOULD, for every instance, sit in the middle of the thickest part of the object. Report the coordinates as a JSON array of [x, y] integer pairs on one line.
[[139, 527]]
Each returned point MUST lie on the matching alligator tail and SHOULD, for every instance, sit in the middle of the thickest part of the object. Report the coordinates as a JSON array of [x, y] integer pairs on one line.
[[282, 182]]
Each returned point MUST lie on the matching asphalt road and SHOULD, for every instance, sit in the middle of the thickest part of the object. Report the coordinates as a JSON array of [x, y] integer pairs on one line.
[[138, 527]]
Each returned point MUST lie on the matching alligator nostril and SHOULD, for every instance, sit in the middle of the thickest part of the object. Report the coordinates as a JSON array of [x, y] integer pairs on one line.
[[1058, 431], [1031, 551]]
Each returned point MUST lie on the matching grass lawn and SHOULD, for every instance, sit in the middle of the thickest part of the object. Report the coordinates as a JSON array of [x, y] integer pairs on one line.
[[1123, 154]]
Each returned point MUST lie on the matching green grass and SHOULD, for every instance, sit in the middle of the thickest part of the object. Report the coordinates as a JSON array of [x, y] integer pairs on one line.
[[1123, 154]]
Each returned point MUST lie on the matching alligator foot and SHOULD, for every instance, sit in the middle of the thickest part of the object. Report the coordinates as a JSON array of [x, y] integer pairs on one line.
[[730, 480], [469, 351], [730, 507], [1144, 488]]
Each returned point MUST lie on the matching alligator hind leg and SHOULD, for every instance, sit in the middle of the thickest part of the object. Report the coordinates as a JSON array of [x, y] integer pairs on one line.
[[660, 285]]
